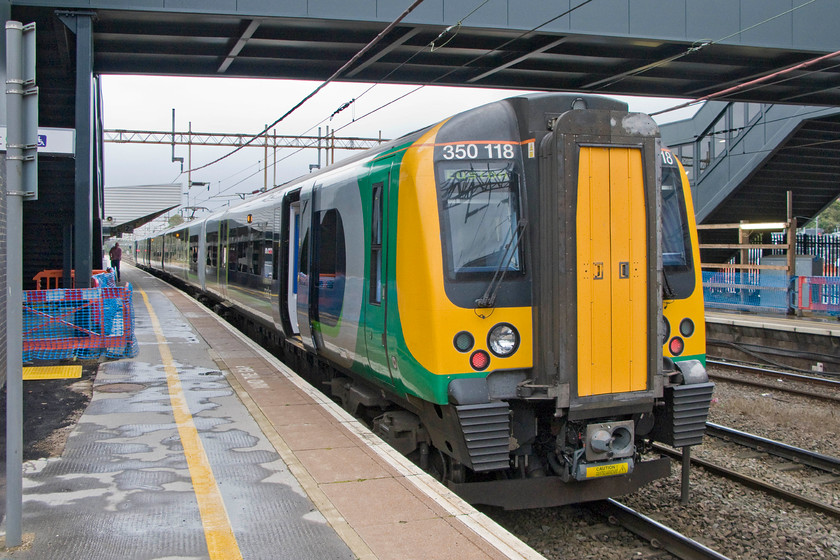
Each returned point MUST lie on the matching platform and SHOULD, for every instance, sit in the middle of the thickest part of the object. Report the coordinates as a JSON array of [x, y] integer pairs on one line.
[[828, 326], [804, 343], [205, 446]]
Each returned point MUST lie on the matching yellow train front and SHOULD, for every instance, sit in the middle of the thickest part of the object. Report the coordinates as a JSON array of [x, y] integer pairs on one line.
[[529, 286], [493, 292]]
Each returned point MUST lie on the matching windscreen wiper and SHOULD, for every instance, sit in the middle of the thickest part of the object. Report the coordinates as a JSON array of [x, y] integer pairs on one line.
[[489, 297]]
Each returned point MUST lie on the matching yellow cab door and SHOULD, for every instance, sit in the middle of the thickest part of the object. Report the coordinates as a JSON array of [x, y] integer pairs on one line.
[[612, 271]]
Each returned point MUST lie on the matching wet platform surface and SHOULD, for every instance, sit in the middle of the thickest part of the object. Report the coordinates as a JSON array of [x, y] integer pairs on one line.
[[205, 446]]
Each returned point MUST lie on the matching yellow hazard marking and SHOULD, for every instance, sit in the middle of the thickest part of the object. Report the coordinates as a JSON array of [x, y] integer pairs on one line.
[[607, 470], [51, 372], [221, 542]]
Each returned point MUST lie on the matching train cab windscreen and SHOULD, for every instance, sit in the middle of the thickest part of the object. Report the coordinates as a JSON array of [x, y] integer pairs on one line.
[[479, 216], [676, 237]]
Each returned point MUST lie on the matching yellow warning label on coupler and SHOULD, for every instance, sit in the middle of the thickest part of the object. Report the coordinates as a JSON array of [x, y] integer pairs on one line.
[[51, 372], [607, 470]]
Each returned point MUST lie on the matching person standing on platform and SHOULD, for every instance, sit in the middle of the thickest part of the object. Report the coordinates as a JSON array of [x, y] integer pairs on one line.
[[115, 254]]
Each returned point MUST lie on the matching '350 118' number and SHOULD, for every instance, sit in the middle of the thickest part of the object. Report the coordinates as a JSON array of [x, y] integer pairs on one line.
[[473, 151]]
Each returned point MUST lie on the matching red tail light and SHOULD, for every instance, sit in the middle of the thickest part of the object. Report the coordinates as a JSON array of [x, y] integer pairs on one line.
[[480, 360], [676, 346]]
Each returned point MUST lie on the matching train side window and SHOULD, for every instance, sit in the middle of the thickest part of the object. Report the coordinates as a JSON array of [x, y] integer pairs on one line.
[[376, 245], [331, 266]]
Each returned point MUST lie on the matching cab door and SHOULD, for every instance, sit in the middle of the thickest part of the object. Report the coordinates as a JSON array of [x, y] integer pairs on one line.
[[376, 293]]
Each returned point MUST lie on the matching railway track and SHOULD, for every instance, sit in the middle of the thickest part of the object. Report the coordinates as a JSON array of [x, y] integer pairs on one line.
[[813, 387], [764, 445], [794, 454], [658, 535]]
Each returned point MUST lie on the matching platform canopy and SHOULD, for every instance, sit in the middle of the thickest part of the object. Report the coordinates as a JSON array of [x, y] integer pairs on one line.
[[129, 207]]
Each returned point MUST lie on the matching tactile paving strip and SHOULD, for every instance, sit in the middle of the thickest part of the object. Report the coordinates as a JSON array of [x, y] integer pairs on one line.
[[51, 372]]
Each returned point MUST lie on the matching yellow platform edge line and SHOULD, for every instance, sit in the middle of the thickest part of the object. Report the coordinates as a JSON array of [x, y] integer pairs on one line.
[[218, 532], [38, 373]]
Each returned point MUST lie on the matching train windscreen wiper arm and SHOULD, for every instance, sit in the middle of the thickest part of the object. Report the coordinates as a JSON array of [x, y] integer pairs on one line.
[[489, 297]]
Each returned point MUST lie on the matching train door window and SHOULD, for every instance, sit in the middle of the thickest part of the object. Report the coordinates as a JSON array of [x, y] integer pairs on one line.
[[213, 248], [295, 252], [256, 252], [376, 245], [331, 255], [224, 239], [194, 253]]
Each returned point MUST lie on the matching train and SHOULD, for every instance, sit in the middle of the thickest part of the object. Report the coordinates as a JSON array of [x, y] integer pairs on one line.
[[511, 297]]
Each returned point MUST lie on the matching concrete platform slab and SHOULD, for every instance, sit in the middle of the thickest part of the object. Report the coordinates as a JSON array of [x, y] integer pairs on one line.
[[193, 451]]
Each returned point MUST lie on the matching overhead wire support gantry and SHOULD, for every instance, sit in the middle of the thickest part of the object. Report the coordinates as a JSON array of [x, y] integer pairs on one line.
[[271, 141]]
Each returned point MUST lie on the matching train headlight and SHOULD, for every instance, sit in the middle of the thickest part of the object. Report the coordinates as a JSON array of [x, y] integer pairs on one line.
[[503, 340], [687, 327]]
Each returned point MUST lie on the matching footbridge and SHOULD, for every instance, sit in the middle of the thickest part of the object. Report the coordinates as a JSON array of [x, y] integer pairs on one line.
[[742, 158], [786, 48]]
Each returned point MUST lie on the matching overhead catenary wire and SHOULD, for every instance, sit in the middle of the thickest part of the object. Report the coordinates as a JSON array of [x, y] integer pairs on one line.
[[324, 84], [487, 53], [421, 49], [298, 150], [352, 102]]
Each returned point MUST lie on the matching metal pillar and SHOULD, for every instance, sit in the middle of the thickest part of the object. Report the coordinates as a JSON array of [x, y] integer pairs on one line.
[[84, 148], [15, 144], [5, 15]]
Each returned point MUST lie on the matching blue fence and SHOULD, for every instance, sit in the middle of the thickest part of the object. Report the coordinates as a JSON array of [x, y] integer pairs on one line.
[[79, 323], [772, 292], [747, 290]]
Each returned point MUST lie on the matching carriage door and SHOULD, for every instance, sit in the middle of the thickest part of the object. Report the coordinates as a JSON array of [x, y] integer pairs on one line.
[[224, 230], [611, 271], [287, 260], [306, 288], [376, 294]]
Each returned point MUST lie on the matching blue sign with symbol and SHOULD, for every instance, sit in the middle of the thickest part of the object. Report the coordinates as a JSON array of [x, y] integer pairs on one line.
[[42, 140]]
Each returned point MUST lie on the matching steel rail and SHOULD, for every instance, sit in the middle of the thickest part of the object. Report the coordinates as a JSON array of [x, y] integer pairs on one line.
[[657, 534], [795, 454], [754, 483], [779, 374]]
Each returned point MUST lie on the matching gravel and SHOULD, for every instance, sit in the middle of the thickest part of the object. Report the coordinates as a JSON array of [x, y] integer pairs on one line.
[[733, 520]]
